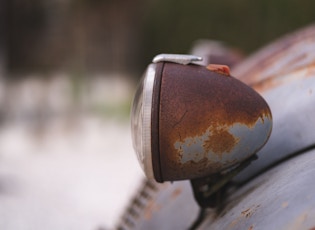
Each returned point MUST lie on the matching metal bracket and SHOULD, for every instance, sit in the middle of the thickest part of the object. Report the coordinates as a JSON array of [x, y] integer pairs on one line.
[[208, 191], [177, 58]]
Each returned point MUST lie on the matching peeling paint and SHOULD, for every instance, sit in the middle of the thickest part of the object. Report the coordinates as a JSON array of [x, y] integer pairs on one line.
[[224, 144], [208, 122]]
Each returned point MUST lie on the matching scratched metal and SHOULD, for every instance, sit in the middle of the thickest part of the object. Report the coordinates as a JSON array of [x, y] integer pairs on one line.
[[207, 122], [282, 198]]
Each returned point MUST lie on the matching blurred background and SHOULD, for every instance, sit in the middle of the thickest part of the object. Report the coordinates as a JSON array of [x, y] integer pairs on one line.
[[68, 70]]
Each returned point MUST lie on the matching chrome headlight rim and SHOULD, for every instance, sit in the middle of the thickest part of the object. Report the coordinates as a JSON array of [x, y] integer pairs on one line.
[[143, 147]]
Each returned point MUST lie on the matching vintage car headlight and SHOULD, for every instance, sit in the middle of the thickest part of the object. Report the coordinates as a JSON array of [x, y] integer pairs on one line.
[[190, 121]]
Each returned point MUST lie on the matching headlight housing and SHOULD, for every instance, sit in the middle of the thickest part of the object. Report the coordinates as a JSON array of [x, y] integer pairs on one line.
[[190, 121]]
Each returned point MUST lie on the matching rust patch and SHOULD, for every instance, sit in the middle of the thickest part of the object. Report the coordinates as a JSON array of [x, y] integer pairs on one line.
[[244, 214], [249, 212], [233, 223], [203, 167], [282, 78], [220, 141], [285, 204], [298, 222], [192, 99], [150, 209], [251, 227], [283, 57], [176, 193]]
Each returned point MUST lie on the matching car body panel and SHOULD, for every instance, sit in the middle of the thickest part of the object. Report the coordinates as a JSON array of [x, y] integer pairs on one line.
[[276, 191]]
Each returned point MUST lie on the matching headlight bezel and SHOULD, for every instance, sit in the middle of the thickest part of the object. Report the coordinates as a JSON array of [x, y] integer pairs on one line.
[[141, 120]]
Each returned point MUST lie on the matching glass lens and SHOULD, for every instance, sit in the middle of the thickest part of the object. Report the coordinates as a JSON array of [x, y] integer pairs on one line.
[[136, 121], [141, 121]]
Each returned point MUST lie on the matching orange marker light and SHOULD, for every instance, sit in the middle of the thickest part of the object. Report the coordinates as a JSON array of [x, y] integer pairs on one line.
[[222, 69]]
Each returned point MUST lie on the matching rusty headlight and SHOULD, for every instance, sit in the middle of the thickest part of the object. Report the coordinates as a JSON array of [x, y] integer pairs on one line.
[[191, 121]]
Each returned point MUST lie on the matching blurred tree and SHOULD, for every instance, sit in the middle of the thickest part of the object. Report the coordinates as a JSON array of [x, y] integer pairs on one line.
[[94, 35], [124, 35], [25, 25], [172, 25], [2, 38]]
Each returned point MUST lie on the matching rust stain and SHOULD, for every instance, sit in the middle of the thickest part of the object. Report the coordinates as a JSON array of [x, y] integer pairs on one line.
[[298, 222], [150, 209], [176, 193], [233, 223], [249, 212], [199, 169], [220, 141], [244, 214], [251, 227], [192, 99], [285, 204], [285, 77], [281, 58]]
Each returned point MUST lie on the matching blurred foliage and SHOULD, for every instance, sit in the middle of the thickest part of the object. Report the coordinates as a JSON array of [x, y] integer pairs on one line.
[[172, 25], [124, 35], [119, 111]]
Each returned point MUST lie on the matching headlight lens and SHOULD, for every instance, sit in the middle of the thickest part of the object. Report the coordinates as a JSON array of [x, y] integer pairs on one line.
[[141, 121]]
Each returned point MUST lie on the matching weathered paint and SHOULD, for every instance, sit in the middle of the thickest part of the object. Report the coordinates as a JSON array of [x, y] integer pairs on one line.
[[287, 59], [225, 144], [284, 73], [289, 92], [208, 117], [282, 198]]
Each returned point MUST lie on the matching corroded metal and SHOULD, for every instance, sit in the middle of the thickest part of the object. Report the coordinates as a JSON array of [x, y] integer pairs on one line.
[[282, 198], [285, 60], [290, 93], [208, 122]]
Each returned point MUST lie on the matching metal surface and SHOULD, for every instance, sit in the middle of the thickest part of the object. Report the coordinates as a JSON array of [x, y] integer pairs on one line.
[[282, 198], [280, 62], [161, 206], [293, 111], [290, 95], [207, 122], [177, 58]]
